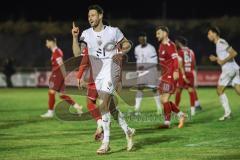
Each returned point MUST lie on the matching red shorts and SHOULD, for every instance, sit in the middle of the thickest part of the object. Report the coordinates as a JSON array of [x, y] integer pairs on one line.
[[167, 86], [92, 91], [182, 84], [56, 81]]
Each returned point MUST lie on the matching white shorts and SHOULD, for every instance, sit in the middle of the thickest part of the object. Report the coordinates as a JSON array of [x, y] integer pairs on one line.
[[229, 77], [109, 79], [150, 79]]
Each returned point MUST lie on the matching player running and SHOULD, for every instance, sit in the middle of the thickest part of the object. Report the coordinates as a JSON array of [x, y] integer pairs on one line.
[[230, 69], [56, 81]]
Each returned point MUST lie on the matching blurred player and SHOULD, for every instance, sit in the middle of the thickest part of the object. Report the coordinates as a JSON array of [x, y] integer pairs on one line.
[[92, 94], [230, 69], [146, 55], [56, 82], [187, 73], [169, 75], [101, 44]]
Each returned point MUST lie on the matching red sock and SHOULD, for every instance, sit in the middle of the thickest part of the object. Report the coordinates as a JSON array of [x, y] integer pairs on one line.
[[192, 98], [94, 111], [195, 94], [51, 100], [68, 99], [178, 98], [174, 107], [167, 111]]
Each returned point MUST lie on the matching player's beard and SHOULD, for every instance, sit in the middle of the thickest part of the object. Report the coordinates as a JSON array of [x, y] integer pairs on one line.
[[95, 25]]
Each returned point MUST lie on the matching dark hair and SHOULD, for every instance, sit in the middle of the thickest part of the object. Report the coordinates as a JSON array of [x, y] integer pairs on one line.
[[96, 7], [182, 40], [51, 38], [142, 34], [163, 28], [214, 29]]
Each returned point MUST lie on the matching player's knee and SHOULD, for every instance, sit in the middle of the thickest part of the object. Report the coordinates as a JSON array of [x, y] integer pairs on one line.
[[163, 99], [220, 90], [139, 94], [51, 91], [190, 89]]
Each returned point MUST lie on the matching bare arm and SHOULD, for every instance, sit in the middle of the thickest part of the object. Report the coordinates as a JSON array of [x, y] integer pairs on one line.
[[125, 46], [75, 45], [232, 54]]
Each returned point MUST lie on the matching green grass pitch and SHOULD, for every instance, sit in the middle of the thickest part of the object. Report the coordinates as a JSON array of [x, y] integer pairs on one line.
[[24, 135]]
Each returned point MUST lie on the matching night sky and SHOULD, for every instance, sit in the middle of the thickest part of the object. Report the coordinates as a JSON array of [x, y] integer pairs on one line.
[[63, 10]]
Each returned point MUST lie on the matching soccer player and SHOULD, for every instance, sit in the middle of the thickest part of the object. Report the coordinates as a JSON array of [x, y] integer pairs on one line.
[[105, 62], [146, 58], [230, 69], [187, 73], [168, 58], [56, 82]]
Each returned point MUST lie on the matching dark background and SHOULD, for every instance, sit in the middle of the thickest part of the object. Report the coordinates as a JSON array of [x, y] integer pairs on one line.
[[23, 25]]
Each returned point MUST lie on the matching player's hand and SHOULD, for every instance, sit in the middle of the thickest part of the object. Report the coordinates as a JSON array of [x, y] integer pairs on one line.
[[213, 58], [220, 62], [75, 30], [185, 79], [175, 75]]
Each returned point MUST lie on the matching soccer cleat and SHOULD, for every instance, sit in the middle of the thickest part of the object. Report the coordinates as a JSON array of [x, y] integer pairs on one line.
[[48, 114], [225, 116], [98, 136], [104, 148], [181, 121], [129, 137]]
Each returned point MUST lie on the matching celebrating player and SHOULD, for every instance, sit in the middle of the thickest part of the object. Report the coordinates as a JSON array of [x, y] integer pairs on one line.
[[105, 62]]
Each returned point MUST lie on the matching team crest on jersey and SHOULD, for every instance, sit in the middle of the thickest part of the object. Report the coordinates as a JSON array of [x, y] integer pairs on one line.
[[99, 42]]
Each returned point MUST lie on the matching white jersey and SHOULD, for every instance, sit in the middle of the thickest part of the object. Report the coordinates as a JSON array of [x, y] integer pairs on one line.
[[222, 53], [101, 48], [146, 54]]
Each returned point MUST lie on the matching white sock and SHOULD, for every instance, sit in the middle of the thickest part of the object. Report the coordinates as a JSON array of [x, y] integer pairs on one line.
[[138, 100], [224, 102], [122, 122], [167, 123], [50, 111], [158, 103], [197, 103], [106, 127], [192, 110], [99, 123]]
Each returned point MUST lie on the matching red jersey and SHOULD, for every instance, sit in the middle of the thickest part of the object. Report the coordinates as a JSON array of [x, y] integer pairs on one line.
[[188, 59], [57, 56], [85, 63], [168, 60]]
